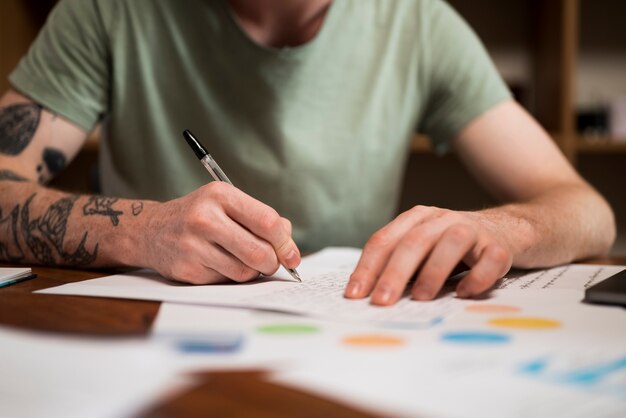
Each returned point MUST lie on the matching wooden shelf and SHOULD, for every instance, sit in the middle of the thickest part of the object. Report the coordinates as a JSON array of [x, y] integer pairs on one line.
[[421, 144], [92, 144], [601, 145]]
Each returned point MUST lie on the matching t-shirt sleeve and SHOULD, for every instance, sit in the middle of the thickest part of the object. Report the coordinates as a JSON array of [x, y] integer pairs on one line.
[[461, 79], [67, 67]]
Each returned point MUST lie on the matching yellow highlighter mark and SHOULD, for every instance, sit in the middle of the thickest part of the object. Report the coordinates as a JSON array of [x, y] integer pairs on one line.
[[525, 323]]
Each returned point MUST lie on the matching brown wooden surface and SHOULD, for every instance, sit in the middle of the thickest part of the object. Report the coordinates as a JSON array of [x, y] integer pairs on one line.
[[246, 394], [219, 394], [616, 261], [21, 308]]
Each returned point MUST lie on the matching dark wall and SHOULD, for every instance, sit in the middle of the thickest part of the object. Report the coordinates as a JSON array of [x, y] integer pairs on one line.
[[442, 182]]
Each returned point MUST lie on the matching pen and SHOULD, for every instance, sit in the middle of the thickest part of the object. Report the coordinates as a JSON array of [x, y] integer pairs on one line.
[[216, 172]]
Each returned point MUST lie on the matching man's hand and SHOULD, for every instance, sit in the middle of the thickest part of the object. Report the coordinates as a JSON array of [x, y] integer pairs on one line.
[[432, 241], [213, 234], [216, 233], [553, 217]]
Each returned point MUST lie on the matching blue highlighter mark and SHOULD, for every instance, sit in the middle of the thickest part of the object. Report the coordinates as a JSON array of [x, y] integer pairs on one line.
[[534, 367], [412, 325], [604, 377], [593, 375], [209, 345], [436, 321], [475, 338]]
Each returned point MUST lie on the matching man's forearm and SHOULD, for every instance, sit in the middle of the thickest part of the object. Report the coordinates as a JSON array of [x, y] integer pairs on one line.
[[49, 227], [565, 224]]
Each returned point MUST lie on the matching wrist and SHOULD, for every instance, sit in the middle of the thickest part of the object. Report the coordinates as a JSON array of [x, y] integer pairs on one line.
[[128, 243], [514, 230]]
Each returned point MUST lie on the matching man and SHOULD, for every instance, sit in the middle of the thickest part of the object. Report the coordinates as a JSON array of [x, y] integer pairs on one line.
[[308, 105]]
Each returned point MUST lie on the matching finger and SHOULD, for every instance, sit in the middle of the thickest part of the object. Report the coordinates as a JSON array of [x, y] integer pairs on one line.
[[405, 260], [247, 247], [454, 243], [203, 276], [293, 257], [378, 249], [264, 222], [228, 265], [493, 263], [287, 225]]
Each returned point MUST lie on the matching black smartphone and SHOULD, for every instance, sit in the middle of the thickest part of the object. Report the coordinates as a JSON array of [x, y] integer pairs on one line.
[[611, 291]]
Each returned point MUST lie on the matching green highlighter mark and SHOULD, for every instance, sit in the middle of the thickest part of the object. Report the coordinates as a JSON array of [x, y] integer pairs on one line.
[[288, 329]]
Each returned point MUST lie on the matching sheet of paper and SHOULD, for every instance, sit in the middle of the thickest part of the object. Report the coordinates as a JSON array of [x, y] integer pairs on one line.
[[523, 351], [10, 274], [575, 367], [567, 283], [468, 383], [267, 339], [324, 277], [45, 376]]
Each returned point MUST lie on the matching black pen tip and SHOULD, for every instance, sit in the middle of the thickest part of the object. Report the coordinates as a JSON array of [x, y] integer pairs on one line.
[[197, 148]]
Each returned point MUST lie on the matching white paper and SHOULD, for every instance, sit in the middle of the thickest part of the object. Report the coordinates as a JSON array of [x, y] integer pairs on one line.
[[533, 374], [567, 283], [324, 277], [470, 383], [179, 322], [44, 376], [575, 369], [571, 277], [8, 274]]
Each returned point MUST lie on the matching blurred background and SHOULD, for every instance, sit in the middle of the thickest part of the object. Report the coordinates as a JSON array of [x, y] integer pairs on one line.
[[565, 61]]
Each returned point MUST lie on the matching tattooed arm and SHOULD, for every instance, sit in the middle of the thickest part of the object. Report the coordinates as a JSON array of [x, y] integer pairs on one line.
[[213, 233], [45, 226]]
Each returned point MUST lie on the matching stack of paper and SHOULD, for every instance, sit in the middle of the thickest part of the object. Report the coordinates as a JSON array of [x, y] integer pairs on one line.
[[48, 376], [530, 348], [13, 275]]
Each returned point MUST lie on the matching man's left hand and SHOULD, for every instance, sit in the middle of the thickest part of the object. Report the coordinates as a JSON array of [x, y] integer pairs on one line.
[[432, 242]]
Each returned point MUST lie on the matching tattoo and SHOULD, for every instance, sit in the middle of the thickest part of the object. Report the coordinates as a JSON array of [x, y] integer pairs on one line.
[[11, 176], [18, 124], [99, 205], [38, 247], [45, 236], [41, 178], [10, 249], [137, 207], [54, 160]]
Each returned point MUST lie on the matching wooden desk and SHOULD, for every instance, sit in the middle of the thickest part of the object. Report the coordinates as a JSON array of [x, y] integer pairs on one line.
[[230, 394]]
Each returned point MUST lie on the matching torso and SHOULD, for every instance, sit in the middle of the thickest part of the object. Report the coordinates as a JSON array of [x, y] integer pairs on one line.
[[280, 24]]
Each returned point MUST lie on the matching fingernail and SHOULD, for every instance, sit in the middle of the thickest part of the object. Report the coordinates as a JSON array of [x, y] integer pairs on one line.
[[463, 291], [353, 290], [422, 293], [292, 259], [385, 296]]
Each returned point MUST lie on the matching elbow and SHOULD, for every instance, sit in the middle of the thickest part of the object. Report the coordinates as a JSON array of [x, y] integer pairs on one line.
[[606, 231], [611, 233], [597, 229]]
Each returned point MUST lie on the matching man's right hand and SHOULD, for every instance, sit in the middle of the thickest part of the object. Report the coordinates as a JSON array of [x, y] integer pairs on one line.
[[213, 234], [216, 233]]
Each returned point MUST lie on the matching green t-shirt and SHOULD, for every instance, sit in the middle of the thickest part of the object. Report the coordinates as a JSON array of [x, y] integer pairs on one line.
[[320, 132]]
